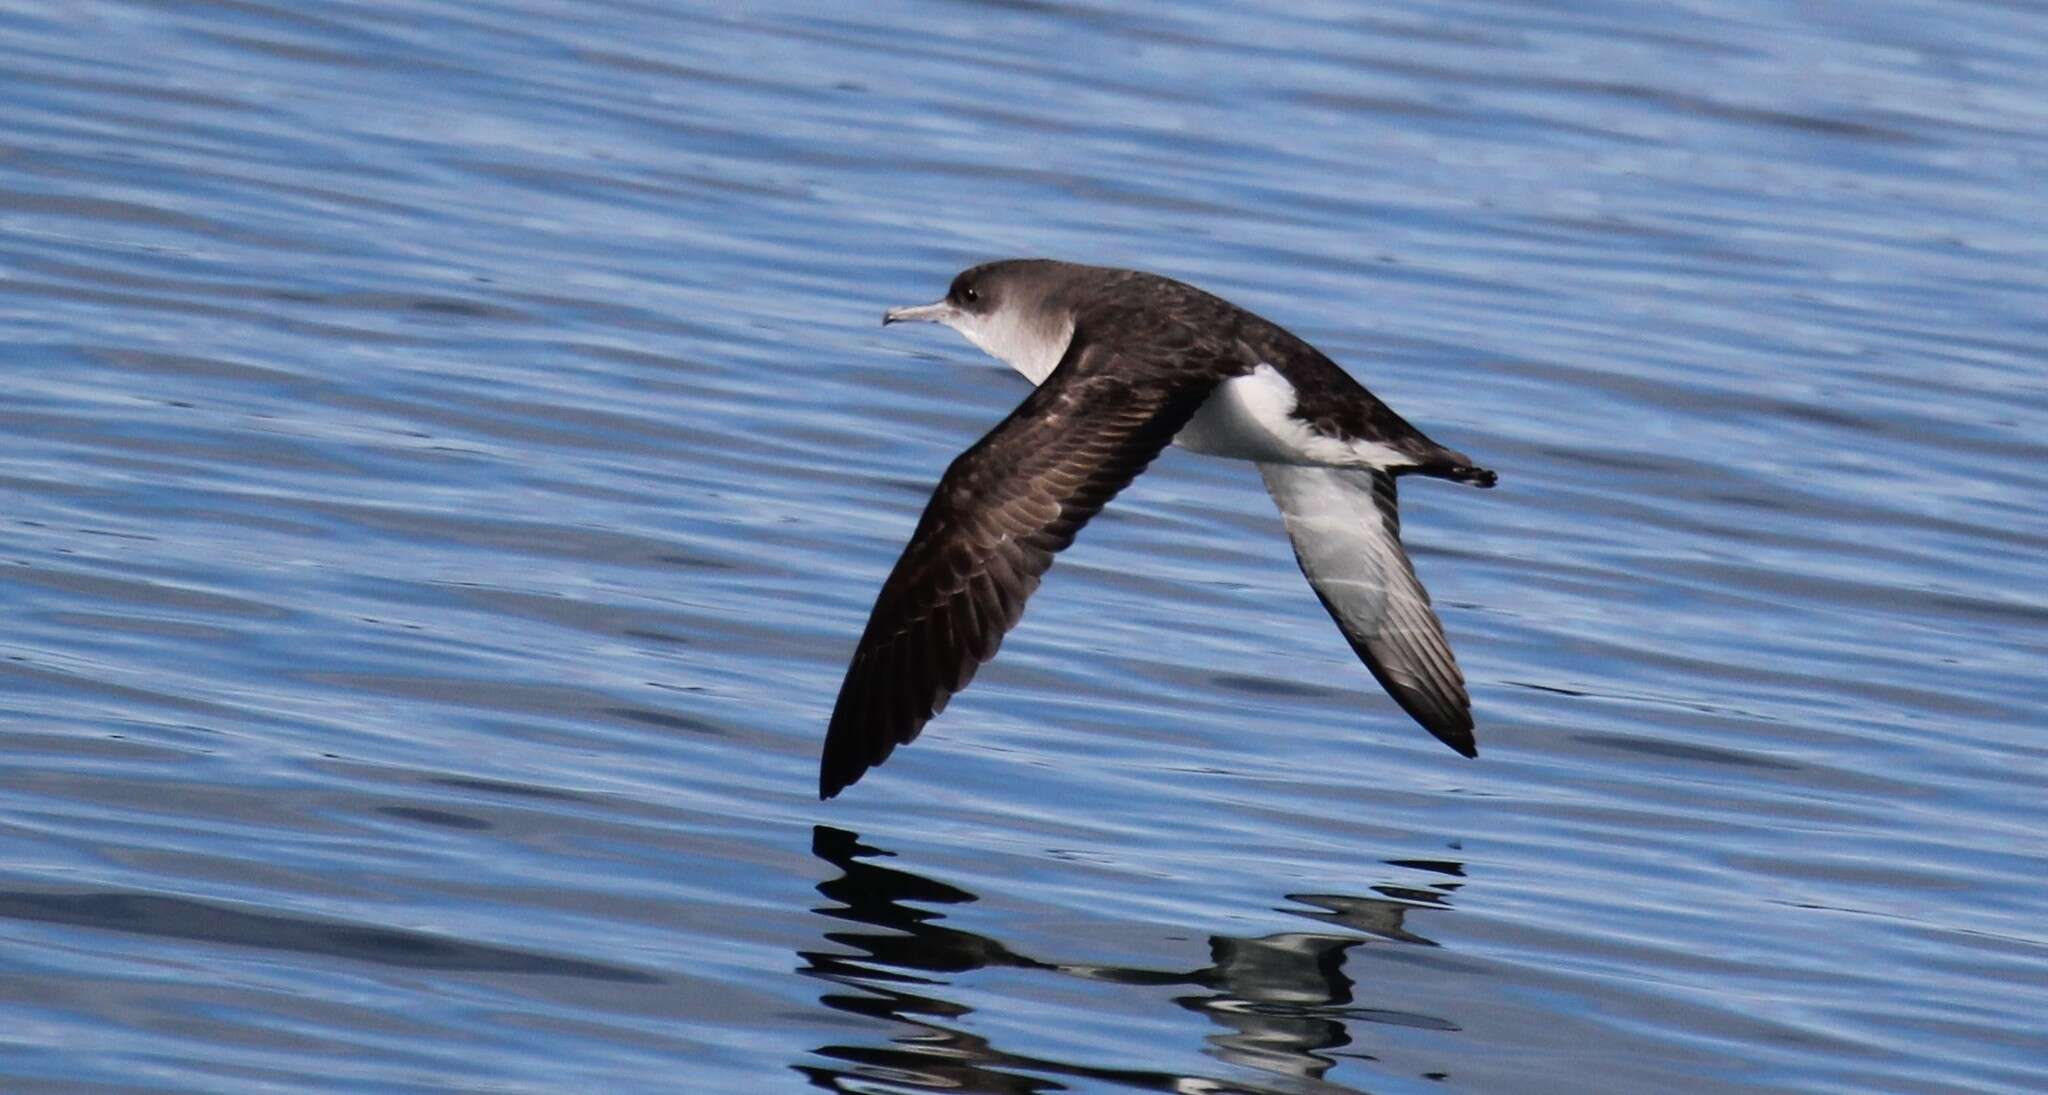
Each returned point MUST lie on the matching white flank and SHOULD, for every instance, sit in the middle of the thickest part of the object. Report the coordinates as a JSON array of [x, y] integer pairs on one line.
[[1252, 418]]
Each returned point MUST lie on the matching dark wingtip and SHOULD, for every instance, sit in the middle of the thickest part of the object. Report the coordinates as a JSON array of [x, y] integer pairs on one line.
[[838, 769], [1456, 735], [1478, 477], [830, 783]]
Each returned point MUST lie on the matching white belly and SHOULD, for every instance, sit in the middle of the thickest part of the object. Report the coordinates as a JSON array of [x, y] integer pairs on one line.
[[1252, 418]]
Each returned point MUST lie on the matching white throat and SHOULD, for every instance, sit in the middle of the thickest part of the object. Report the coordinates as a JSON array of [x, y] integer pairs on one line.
[[1030, 348]]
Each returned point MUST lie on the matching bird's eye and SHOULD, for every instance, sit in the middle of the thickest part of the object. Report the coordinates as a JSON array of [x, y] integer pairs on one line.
[[970, 294]]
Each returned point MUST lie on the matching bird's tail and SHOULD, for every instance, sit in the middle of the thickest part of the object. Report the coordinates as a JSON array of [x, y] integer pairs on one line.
[[1458, 468], [1473, 474]]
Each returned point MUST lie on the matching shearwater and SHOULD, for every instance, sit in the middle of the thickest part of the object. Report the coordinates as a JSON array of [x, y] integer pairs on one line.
[[1125, 362]]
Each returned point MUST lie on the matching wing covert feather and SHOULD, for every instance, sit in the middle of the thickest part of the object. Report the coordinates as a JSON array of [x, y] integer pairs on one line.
[[1004, 508]]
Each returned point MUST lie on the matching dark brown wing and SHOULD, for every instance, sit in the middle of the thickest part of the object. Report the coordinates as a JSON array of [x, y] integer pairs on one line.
[[1003, 510], [1346, 528]]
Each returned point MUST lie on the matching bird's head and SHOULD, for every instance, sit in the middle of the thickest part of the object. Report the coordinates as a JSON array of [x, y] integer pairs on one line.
[[1013, 310]]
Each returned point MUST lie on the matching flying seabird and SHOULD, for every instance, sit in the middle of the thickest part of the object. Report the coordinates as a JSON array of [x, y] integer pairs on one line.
[[1125, 362]]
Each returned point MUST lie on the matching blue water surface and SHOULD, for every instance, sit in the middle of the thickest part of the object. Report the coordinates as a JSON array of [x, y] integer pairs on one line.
[[448, 451]]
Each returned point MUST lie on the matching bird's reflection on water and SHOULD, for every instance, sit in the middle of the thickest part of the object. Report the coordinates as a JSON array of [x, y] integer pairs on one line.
[[1284, 1001]]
